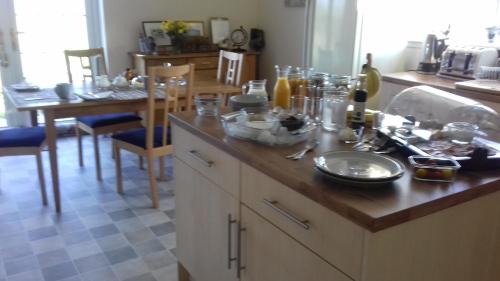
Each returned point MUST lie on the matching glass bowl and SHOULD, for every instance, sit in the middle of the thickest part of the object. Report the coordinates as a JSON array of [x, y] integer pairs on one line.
[[431, 168], [207, 105]]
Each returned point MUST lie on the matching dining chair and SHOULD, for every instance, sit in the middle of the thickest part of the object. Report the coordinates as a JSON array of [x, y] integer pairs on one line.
[[232, 75], [154, 141], [103, 124], [25, 141]]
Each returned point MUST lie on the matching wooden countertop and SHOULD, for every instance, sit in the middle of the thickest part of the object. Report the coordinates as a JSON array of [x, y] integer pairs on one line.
[[412, 78], [374, 209]]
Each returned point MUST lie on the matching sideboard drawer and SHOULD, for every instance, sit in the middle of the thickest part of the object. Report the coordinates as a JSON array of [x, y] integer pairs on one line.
[[205, 62], [173, 61], [331, 236], [218, 166]]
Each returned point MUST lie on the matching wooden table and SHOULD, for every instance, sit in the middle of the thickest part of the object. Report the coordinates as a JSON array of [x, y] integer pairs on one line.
[[53, 108]]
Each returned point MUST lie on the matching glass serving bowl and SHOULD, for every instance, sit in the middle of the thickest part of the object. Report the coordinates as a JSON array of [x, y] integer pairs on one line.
[[461, 132], [207, 105], [431, 168]]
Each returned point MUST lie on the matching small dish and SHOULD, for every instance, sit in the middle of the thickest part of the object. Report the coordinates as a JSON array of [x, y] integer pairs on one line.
[[247, 101], [90, 96], [431, 168]]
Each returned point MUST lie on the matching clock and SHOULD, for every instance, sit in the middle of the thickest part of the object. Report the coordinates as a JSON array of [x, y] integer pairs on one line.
[[239, 37]]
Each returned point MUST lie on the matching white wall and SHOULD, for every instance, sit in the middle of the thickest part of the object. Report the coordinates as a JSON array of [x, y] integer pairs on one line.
[[284, 34], [123, 18]]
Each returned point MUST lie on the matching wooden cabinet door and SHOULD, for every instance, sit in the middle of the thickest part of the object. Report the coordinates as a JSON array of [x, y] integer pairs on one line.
[[268, 254], [205, 237]]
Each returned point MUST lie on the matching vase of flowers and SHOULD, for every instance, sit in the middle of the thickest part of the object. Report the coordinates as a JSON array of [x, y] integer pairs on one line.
[[176, 30]]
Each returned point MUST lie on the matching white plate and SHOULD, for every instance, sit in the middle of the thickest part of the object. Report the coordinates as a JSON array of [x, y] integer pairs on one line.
[[25, 87], [95, 96], [359, 166]]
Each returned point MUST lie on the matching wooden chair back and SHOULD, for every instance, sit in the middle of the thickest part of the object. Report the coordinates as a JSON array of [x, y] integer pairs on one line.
[[234, 67], [87, 58], [170, 96]]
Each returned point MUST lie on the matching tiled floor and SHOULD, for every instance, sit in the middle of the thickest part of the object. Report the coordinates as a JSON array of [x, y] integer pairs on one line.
[[99, 236]]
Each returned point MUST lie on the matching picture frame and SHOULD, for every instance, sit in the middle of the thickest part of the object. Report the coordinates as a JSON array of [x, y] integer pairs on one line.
[[196, 28], [153, 29], [219, 29]]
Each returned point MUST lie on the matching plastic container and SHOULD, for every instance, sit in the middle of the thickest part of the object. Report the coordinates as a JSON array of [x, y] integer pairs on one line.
[[431, 168]]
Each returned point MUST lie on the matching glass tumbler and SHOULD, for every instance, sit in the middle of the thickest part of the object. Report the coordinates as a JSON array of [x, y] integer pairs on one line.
[[299, 105], [335, 102]]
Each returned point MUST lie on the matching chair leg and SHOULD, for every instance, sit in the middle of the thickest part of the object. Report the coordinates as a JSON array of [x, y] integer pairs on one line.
[[96, 156], [141, 162], [41, 178], [118, 168], [162, 168], [152, 181], [80, 147]]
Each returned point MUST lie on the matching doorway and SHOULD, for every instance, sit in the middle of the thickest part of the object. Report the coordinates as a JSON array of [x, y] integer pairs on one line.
[[34, 35]]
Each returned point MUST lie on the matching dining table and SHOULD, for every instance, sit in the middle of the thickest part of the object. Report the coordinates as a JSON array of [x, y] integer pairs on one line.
[[127, 99]]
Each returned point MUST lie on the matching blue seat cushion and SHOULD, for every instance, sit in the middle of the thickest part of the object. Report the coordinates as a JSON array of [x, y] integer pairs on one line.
[[22, 137], [137, 137], [96, 121]]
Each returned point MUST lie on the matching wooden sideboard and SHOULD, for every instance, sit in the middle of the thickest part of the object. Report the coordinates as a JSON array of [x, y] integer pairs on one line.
[[205, 63]]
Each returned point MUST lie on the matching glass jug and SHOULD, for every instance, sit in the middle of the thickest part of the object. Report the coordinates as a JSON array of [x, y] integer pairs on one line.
[[282, 90], [255, 87]]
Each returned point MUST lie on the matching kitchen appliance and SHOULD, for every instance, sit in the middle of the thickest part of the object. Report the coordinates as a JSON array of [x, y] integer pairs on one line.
[[464, 62], [433, 48]]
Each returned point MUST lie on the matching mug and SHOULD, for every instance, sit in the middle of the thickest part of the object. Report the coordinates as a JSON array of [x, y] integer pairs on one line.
[[63, 90]]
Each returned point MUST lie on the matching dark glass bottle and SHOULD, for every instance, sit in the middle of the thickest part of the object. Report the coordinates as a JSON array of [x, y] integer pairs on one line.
[[360, 96]]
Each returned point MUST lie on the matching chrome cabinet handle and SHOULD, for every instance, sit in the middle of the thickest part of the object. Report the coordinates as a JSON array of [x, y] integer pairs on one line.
[[199, 157], [230, 222], [238, 250], [274, 205]]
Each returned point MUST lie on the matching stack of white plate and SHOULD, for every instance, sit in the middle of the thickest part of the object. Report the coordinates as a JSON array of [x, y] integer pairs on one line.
[[361, 169]]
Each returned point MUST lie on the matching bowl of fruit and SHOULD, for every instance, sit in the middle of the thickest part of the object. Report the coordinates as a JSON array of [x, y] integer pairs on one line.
[[431, 168]]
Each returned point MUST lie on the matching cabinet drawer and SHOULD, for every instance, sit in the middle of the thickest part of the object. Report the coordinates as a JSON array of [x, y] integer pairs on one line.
[[331, 236], [271, 255], [173, 61], [218, 166], [205, 62]]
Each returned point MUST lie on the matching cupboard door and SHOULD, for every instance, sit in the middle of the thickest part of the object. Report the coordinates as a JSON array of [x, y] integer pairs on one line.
[[205, 237], [268, 254]]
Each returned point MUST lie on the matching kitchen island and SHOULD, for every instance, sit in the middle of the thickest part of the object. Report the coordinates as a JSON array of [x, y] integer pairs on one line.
[[245, 212]]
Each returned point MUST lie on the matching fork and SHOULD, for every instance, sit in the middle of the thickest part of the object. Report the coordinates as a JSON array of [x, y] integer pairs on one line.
[[309, 146]]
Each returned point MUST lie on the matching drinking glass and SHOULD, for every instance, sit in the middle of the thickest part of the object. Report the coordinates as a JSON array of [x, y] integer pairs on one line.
[[335, 102], [300, 105]]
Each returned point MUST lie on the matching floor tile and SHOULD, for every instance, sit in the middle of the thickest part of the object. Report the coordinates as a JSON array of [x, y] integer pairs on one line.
[[42, 232], [130, 268], [148, 247], [76, 237], [12, 240], [47, 244], [168, 273], [121, 215], [170, 213], [10, 217], [10, 228], [112, 242], [144, 277], [159, 260], [103, 231], [83, 249], [65, 217], [59, 272], [31, 275], [52, 258], [169, 240], [154, 218], [20, 265], [128, 225], [163, 229], [96, 220], [89, 211], [103, 274], [91, 263], [140, 235], [16, 251], [120, 255], [69, 226]]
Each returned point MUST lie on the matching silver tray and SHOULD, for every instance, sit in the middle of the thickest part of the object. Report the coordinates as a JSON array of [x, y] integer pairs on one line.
[[356, 166]]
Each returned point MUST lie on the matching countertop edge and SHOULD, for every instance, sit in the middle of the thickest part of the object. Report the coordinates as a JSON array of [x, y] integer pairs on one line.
[[367, 222]]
